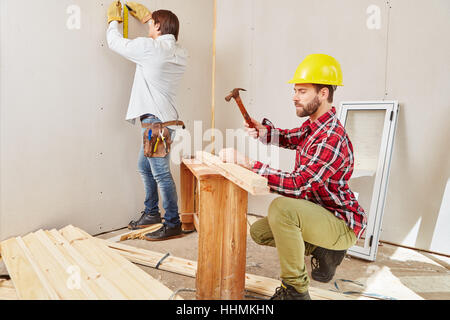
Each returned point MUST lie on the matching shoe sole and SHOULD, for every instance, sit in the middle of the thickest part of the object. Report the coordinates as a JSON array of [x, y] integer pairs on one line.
[[141, 227], [322, 279], [162, 239]]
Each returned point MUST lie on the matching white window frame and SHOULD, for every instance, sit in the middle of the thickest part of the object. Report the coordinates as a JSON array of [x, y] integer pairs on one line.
[[376, 210]]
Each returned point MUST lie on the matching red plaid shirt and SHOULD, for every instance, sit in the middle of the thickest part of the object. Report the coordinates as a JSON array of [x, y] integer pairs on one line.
[[323, 166]]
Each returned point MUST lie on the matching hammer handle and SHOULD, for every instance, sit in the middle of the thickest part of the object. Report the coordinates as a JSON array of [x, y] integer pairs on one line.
[[244, 113]]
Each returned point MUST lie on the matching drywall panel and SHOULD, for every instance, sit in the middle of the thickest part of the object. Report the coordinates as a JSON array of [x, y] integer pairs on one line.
[[441, 236], [395, 50], [67, 153], [418, 75]]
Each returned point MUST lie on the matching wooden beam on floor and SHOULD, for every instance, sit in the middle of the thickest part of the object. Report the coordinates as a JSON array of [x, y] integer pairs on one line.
[[7, 290], [134, 283], [28, 279], [253, 283], [39, 265], [135, 234]]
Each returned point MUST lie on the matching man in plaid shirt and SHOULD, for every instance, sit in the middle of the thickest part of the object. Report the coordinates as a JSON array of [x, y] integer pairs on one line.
[[319, 214]]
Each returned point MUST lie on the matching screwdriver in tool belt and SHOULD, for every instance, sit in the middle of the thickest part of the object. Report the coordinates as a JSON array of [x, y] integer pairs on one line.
[[156, 145]]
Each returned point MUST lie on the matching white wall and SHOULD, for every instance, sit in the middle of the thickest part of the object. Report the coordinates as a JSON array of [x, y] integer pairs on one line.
[[260, 44], [67, 154]]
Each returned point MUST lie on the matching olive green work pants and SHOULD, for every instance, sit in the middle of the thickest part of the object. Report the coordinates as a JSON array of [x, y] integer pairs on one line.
[[296, 227]]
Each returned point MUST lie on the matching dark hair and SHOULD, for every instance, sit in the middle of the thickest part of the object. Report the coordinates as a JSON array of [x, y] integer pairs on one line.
[[168, 22], [331, 90]]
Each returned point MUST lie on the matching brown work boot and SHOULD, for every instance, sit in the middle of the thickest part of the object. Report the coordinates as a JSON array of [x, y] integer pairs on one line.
[[288, 292], [324, 263]]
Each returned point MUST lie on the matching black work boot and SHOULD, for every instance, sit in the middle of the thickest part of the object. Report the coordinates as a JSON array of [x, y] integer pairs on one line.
[[164, 233], [146, 220], [324, 263], [288, 292]]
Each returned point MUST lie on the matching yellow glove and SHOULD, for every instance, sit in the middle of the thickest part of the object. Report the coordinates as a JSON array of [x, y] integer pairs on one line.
[[139, 11], [115, 12]]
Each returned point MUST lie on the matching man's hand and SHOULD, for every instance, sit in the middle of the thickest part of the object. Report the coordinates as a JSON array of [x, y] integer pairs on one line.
[[115, 12], [258, 131], [139, 11], [232, 156]]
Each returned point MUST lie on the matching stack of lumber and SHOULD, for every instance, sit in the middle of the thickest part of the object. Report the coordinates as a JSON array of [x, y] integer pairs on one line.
[[70, 264], [253, 283]]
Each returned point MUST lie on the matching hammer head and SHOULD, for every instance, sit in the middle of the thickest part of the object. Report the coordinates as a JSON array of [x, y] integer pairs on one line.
[[234, 94]]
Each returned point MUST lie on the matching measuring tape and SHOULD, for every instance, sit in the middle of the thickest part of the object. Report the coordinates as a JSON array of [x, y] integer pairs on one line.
[[125, 21]]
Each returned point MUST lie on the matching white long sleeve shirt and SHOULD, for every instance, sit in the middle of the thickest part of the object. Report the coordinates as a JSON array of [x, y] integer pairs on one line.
[[160, 65]]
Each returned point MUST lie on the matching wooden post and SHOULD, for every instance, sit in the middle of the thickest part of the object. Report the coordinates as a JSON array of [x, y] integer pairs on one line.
[[220, 210], [222, 240], [187, 182]]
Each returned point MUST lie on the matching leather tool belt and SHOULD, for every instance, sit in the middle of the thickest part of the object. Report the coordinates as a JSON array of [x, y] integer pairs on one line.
[[157, 139]]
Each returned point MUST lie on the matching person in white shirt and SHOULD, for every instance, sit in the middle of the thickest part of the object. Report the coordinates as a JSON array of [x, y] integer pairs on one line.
[[160, 65]]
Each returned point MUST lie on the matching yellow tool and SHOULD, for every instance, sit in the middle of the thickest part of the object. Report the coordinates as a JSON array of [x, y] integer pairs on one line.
[[156, 145], [125, 21]]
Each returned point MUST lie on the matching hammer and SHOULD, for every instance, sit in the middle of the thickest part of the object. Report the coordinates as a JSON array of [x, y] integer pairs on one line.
[[235, 94]]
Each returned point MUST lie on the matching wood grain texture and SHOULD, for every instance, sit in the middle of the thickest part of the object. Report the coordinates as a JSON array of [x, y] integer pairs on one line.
[[187, 181], [7, 290], [55, 273], [28, 280], [139, 234], [244, 178], [73, 265], [253, 283], [150, 259], [102, 287], [135, 283], [234, 243], [211, 199], [222, 240]]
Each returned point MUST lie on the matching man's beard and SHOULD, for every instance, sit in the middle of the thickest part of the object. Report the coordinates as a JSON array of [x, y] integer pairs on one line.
[[310, 108]]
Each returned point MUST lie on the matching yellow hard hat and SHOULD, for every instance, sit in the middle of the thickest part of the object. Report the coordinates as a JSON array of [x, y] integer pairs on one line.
[[319, 69]]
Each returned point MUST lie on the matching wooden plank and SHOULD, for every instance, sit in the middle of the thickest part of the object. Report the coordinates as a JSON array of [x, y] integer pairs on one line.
[[234, 243], [212, 197], [253, 283], [128, 286], [197, 223], [244, 178], [187, 181], [187, 217], [56, 274], [27, 278], [67, 264], [103, 288], [7, 290], [136, 283], [151, 259], [201, 170], [139, 234], [117, 237], [187, 221]]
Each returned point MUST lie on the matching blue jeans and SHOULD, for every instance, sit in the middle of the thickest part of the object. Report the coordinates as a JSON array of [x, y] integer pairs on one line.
[[155, 173]]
